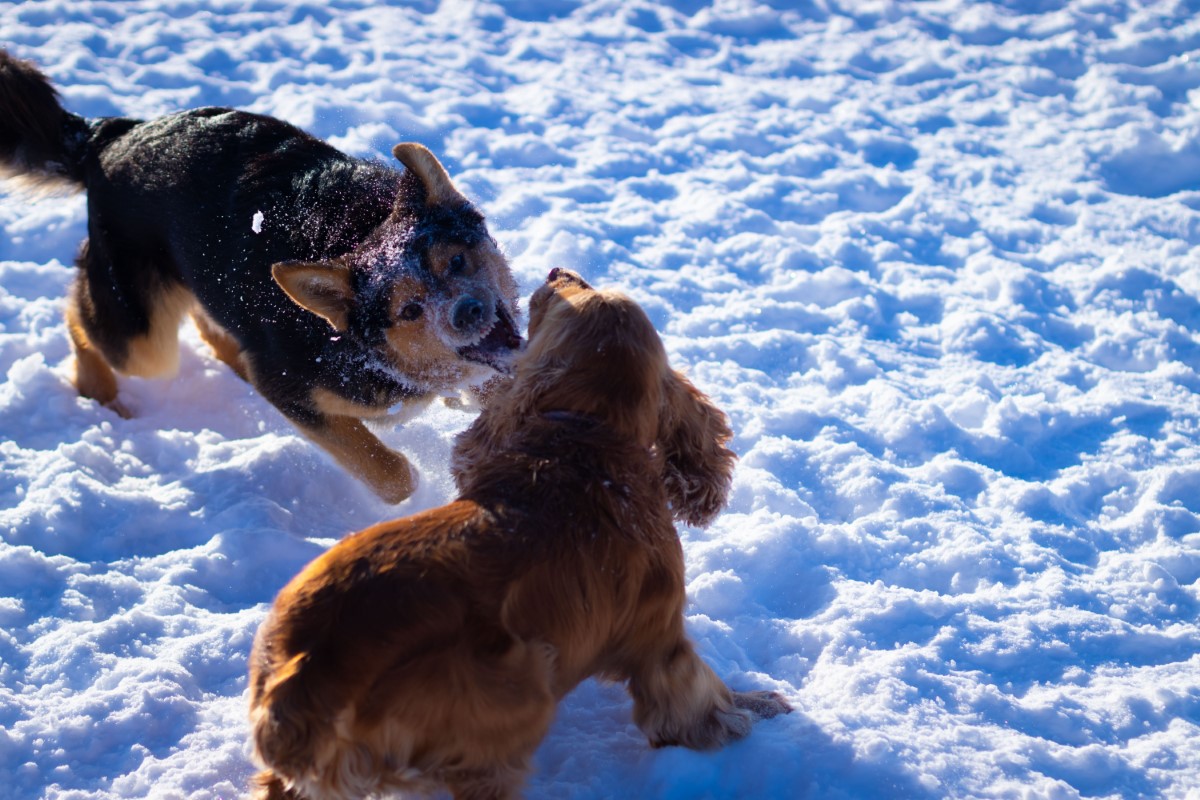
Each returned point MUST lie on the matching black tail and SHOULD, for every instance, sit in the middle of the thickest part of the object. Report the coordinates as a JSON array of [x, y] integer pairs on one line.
[[41, 144]]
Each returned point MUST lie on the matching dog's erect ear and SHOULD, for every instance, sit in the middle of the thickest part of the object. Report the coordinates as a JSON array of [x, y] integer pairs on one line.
[[322, 287], [697, 466], [439, 190]]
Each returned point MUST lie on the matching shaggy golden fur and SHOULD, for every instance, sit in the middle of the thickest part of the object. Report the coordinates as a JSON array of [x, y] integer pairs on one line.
[[431, 651]]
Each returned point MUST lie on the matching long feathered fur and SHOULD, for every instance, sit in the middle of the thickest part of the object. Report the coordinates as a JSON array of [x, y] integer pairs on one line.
[[431, 651]]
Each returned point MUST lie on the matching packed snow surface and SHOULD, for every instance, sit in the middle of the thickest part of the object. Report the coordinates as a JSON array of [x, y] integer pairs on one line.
[[939, 262]]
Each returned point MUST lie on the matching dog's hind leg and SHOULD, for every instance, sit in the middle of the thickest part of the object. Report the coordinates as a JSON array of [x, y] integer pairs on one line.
[[94, 377], [155, 353], [127, 323]]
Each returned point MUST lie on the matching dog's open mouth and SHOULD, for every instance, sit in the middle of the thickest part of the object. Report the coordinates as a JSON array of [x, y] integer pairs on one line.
[[498, 346]]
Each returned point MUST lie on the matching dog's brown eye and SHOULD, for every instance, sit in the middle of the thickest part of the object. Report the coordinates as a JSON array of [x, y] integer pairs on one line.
[[411, 311], [457, 262]]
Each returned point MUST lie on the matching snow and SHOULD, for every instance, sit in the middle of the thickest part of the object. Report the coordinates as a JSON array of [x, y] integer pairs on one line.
[[937, 260]]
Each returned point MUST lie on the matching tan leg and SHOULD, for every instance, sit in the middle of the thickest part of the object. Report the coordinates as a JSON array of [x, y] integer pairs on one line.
[[387, 472], [94, 377], [155, 354], [224, 346]]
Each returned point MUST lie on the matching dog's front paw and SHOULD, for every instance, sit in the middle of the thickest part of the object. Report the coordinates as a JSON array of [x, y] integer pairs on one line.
[[396, 482], [763, 705], [725, 724], [393, 477], [717, 728]]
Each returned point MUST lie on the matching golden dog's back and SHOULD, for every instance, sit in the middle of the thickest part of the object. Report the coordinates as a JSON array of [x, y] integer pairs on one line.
[[440, 643]]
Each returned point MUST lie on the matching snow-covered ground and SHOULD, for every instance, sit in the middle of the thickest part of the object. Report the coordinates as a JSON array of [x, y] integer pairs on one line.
[[939, 261]]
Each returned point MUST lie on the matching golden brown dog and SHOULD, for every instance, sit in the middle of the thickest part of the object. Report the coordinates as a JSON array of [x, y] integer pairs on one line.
[[431, 651]]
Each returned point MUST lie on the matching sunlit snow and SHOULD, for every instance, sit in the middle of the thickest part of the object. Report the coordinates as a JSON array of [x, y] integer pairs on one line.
[[938, 261]]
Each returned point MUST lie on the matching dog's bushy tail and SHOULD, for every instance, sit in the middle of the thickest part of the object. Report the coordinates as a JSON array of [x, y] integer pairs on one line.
[[41, 144]]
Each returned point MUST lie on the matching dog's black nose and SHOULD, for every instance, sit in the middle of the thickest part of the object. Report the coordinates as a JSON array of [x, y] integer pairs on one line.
[[554, 273], [468, 313]]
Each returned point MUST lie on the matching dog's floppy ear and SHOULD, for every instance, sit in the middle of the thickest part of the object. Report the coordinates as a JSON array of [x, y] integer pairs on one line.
[[697, 466], [322, 287], [439, 190]]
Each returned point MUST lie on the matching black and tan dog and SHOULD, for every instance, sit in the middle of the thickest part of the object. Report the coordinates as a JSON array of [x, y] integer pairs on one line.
[[340, 288]]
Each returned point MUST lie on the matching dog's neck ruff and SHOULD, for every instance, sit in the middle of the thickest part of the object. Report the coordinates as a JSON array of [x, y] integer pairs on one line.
[[367, 378], [594, 428]]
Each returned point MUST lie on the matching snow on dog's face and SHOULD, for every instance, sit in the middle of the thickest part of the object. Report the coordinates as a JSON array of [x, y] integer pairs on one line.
[[430, 291]]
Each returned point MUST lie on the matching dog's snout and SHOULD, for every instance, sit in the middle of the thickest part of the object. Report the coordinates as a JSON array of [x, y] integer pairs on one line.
[[468, 313], [561, 277]]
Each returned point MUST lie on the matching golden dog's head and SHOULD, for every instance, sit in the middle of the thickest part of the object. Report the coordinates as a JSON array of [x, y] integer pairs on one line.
[[429, 292], [595, 353]]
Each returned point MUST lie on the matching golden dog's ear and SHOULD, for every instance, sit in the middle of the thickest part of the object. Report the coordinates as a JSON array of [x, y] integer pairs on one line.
[[697, 466], [322, 287], [439, 190]]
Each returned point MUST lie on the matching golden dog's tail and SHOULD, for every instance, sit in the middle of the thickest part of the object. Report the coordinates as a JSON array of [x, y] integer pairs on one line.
[[41, 144]]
